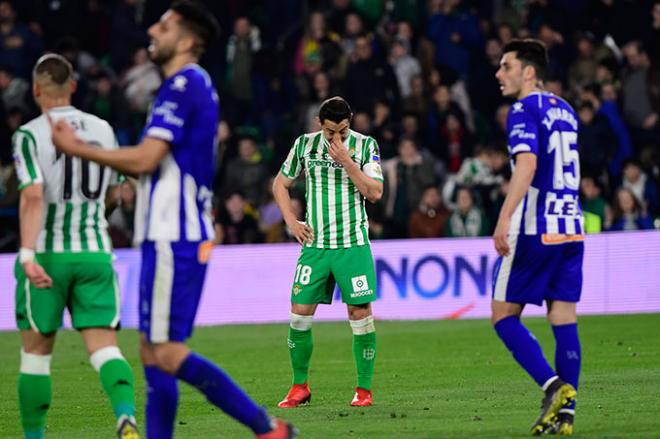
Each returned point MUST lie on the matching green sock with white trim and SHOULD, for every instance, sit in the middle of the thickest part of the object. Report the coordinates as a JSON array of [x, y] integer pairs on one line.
[[364, 350], [117, 379], [34, 393]]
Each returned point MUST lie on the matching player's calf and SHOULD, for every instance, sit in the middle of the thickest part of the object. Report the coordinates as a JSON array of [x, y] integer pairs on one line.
[[117, 380], [34, 393]]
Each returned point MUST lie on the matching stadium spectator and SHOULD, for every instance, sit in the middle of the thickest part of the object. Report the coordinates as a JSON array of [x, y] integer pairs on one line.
[[455, 33], [467, 219], [484, 88], [642, 187], [597, 213], [319, 49], [628, 213], [369, 79], [242, 46], [19, 46], [405, 66], [247, 173], [235, 222], [322, 89], [455, 143], [405, 178], [106, 101], [353, 28], [384, 129], [141, 81], [127, 32], [121, 219], [430, 218], [14, 90], [637, 105], [595, 138], [418, 100]]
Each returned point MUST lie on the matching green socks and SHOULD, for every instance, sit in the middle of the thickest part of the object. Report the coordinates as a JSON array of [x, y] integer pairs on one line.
[[117, 379], [364, 350], [34, 393], [300, 346]]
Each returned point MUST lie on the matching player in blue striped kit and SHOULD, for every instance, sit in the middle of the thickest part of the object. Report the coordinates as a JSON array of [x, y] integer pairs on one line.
[[175, 161], [539, 233]]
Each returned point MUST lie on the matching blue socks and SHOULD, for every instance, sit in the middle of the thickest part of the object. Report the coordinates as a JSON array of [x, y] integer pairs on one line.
[[162, 401], [525, 349], [222, 392], [568, 354]]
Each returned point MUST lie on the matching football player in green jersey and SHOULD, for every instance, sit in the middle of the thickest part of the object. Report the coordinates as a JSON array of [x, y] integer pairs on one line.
[[342, 169]]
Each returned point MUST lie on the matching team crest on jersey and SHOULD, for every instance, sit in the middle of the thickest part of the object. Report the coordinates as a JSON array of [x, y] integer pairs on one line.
[[553, 101], [179, 83], [296, 290], [518, 107]]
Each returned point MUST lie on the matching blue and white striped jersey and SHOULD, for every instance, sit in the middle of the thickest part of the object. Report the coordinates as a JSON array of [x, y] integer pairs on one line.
[[545, 125], [174, 202]]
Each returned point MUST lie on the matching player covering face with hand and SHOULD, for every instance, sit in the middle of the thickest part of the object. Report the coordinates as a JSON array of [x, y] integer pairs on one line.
[[539, 233], [342, 169]]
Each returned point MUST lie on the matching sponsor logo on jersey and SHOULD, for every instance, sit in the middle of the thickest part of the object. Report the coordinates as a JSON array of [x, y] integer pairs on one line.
[[518, 107]]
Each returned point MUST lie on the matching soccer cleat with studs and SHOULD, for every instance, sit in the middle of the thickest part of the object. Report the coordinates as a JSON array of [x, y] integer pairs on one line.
[[299, 394], [558, 395], [127, 428], [362, 398]]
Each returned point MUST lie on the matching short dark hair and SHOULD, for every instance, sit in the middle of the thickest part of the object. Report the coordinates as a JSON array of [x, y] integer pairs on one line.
[[335, 109], [196, 18], [56, 66], [530, 52]]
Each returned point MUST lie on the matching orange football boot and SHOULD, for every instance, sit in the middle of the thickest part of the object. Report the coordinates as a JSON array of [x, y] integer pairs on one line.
[[299, 394], [362, 398]]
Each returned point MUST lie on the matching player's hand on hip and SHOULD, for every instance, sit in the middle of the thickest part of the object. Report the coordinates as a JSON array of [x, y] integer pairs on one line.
[[37, 275], [302, 232], [501, 236], [63, 135]]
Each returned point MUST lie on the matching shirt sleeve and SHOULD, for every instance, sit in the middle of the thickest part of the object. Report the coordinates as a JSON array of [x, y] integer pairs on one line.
[[293, 164], [523, 129], [371, 160], [173, 107], [25, 159]]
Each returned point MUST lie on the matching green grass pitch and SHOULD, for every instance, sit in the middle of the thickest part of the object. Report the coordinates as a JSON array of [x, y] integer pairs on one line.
[[434, 379]]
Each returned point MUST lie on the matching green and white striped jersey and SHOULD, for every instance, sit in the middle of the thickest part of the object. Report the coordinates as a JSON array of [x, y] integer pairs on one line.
[[74, 189], [335, 206]]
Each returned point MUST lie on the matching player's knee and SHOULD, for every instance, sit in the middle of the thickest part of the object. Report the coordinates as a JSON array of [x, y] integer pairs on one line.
[[169, 357], [363, 326], [300, 322], [359, 312], [561, 317], [104, 355], [35, 364]]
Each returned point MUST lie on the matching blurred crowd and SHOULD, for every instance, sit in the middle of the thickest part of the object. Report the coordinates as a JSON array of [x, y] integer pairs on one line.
[[419, 75]]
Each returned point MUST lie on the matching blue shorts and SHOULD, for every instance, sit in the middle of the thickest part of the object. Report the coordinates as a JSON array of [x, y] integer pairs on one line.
[[539, 269], [171, 282]]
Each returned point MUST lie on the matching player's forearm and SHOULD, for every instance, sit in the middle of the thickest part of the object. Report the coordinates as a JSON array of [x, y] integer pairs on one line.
[[520, 181], [128, 159], [31, 210], [371, 189], [283, 200]]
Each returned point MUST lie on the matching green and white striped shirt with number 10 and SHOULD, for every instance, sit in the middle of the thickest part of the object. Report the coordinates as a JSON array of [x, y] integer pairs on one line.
[[335, 206], [73, 189]]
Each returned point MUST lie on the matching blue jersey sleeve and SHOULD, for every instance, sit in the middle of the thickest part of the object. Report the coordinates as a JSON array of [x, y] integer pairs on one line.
[[523, 129], [173, 107]]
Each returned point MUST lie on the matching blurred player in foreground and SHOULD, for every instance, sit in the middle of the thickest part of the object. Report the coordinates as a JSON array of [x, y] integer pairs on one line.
[[65, 258], [342, 169], [539, 233], [175, 161]]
